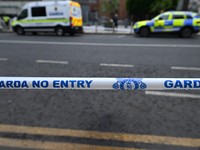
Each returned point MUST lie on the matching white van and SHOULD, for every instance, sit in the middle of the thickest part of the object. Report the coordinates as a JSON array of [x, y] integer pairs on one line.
[[49, 16]]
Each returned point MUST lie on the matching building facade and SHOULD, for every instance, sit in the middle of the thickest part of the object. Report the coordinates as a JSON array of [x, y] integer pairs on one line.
[[100, 14], [194, 5], [91, 9], [189, 5]]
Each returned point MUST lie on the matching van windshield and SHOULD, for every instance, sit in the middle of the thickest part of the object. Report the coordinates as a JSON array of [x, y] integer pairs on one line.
[[76, 12]]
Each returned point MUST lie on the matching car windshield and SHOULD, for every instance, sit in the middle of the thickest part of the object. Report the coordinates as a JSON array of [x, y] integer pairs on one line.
[[156, 17]]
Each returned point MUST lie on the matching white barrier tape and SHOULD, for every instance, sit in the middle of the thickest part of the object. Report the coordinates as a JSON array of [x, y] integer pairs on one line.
[[100, 83]]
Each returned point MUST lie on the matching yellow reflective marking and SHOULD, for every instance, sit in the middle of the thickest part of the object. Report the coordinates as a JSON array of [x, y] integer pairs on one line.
[[152, 29], [159, 23], [40, 21], [167, 27], [150, 139], [55, 145], [195, 22], [178, 22], [170, 16]]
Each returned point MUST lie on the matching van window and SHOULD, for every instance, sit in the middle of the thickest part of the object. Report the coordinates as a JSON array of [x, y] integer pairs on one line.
[[23, 14], [38, 11], [178, 17]]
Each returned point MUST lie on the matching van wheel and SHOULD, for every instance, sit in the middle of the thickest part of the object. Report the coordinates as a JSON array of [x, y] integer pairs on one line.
[[71, 33], [20, 31], [60, 31], [186, 32], [144, 32]]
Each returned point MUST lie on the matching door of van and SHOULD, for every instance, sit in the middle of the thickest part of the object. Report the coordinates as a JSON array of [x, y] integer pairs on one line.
[[24, 18], [76, 14]]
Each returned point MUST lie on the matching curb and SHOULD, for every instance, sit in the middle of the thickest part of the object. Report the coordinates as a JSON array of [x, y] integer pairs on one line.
[[108, 33], [86, 33], [6, 32]]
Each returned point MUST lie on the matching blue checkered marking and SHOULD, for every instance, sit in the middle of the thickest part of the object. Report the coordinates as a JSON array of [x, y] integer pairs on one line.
[[188, 22], [150, 23], [168, 23]]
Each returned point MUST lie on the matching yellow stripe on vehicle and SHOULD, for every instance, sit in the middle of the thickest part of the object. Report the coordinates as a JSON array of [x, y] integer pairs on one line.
[[38, 21]]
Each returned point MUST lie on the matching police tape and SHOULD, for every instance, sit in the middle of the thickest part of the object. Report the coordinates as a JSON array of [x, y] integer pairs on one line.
[[100, 83]]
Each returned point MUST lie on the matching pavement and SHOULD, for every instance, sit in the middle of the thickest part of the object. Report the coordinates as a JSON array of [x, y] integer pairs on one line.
[[117, 120]]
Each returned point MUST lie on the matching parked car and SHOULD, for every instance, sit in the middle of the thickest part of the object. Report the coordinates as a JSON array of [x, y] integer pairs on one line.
[[182, 23]]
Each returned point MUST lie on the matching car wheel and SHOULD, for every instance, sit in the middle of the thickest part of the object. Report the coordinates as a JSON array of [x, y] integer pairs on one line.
[[20, 31], [60, 31], [144, 32], [186, 32]]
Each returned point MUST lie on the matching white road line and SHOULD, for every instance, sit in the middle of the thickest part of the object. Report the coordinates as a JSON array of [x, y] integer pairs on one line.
[[3, 59], [186, 68], [121, 36], [116, 65], [170, 94], [99, 44], [51, 61]]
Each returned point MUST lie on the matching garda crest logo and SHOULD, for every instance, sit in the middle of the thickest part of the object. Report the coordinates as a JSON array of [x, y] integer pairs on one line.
[[55, 8], [129, 84]]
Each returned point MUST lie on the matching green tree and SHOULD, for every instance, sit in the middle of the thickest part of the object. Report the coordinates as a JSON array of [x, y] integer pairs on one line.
[[147, 6], [138, 6], [110, 6], [165, 5]]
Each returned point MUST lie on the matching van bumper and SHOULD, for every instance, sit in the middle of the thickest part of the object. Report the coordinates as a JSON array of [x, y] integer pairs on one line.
[[74, 29]]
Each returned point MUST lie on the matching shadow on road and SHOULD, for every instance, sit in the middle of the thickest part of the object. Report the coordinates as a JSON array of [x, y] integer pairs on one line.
[[51, 34], [175, 36]]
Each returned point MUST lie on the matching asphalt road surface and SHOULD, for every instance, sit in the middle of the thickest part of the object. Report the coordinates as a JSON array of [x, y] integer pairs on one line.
[[93, 119]]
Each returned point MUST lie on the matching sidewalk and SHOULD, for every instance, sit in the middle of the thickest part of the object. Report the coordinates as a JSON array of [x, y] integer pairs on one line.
[[99, 30], [102, 30]]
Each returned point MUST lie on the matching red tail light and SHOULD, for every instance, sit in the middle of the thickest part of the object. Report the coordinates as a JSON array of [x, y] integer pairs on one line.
[[70, 21]]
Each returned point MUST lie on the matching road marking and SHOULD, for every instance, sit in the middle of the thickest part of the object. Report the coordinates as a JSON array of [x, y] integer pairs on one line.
[[172, 94], [121, 36], [116, 65], [150, 139], [186, 68], [3, 59], [32, 144], [51, 61], [99, 44]]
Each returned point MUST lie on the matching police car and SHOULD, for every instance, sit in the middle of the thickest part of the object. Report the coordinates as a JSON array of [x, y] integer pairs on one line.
[[182, 23]]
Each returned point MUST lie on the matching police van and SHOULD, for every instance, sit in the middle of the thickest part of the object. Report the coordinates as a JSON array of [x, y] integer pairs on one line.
[[49, 16]]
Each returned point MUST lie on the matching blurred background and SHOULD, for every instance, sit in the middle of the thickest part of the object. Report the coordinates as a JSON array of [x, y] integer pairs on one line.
[[100, 119], [102, 11]]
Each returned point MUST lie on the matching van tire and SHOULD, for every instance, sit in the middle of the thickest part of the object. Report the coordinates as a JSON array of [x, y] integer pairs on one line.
[[144, 32], [186, 32], [20, 30], [60, 31]]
